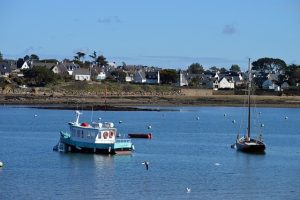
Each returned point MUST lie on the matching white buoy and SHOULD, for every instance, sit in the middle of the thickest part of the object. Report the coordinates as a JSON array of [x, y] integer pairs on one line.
[[262, 125], [149, 127], [198, 118], [233, 121], [99, 118], [120, 122], [1, 164], [35, 115], [225, 115], [286, 117], [217, 164]]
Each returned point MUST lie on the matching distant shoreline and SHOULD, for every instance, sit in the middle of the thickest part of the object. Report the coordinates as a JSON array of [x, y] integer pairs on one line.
[[132, 103]]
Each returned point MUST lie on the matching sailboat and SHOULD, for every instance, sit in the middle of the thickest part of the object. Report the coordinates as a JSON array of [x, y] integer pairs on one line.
[[246, 143]]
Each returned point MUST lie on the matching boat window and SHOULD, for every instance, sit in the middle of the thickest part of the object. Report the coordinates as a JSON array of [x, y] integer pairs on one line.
[[82, 134], [99, 136], [78, 133]]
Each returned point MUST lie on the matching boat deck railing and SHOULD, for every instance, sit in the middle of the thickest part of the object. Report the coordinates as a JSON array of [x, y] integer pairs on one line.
[[123, 140]]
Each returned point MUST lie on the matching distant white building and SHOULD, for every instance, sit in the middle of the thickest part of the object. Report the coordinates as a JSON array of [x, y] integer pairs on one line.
[[224, 83], [182, 80], [25, 65], [82, 74], [101, 76]]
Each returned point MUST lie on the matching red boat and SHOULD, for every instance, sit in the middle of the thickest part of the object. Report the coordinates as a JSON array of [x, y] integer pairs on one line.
[[140, 135]]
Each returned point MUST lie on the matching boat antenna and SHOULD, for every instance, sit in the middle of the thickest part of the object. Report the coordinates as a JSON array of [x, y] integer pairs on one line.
[[249, 93], [77, 116], [92, 115]]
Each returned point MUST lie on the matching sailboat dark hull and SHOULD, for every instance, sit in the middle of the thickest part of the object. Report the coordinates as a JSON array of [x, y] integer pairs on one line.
[[252, 146]]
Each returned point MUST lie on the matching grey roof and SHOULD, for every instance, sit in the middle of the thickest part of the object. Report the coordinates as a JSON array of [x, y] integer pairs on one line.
[[81, 71], [4, 68], [61, 68], [151, 75], [43, 64], [140, 73]]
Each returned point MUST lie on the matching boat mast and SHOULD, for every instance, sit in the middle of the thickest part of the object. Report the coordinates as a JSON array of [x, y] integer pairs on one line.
[[249, 93]]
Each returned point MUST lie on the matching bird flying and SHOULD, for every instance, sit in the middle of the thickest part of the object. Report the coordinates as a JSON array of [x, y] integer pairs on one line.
[[146, 163]]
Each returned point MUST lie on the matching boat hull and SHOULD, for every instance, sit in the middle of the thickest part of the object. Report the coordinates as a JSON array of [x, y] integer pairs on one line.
[[68, 145], [252, 146]]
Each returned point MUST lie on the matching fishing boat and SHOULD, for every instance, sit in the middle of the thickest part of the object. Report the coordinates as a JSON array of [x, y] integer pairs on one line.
[[246, 143], [92, 138]]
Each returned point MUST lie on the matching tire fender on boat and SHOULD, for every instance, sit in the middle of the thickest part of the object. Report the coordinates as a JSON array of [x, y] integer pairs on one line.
[[111, 134], [105, 135]]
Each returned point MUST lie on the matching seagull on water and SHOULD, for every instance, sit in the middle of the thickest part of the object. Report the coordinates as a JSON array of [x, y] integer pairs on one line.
[[146, 163], [188, 190]]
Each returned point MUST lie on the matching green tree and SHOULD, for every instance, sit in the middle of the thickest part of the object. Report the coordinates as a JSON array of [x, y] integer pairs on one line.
[[168, 76], [101, 60], [195, 68], [270, 64], [94, 57], [235, 68], [1, 56], [196, 81], [79, 55], [214, 69], [293, 74], [50, 60], [26, 58], [39, 76], [119, 75], [20, 62], [223, 70], [34, 57]]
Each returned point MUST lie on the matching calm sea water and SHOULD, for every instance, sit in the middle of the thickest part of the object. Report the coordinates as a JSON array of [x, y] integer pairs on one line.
[[190, 148]]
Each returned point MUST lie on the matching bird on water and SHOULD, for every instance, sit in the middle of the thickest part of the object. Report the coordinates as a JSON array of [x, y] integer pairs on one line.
[[146, 163]]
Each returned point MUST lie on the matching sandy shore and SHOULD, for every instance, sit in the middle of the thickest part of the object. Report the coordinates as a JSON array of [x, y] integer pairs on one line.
[[127, 102]]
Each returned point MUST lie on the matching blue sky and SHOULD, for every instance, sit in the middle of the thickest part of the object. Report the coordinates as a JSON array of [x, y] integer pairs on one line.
[[163, 33]]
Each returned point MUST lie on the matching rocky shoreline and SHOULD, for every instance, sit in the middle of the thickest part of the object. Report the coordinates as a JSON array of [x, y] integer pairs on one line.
[[133, 103]]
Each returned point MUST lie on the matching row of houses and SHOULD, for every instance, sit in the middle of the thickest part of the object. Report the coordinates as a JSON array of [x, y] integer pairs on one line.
[[139, 75], [147, 75]]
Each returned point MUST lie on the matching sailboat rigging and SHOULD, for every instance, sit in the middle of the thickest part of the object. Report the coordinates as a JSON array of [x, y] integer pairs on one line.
[[246, 143]]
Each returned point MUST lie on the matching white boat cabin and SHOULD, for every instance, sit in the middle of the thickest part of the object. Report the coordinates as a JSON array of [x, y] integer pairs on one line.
[[95, 132]]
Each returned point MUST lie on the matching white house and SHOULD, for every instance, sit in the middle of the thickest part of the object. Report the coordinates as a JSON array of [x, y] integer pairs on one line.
[[224, 83], [82, 74], [25, 65], [182, 80], [101, 76], [129, 77]]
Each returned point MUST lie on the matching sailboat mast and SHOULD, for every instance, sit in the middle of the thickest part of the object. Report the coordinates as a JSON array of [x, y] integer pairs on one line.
[[249, 102]]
